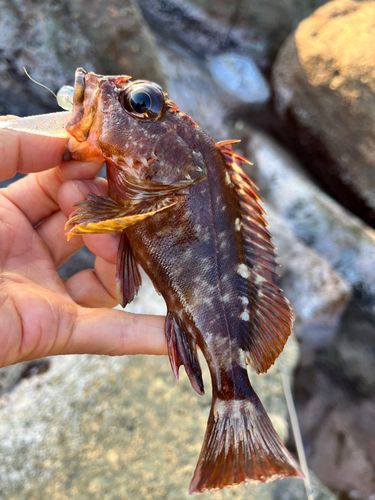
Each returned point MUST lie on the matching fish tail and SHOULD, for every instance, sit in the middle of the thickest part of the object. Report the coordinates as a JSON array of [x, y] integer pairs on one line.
[[240, 445]]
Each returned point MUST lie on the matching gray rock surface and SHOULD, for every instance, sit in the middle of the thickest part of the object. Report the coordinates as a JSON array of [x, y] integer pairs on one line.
[[52, 39], [338, 428], [344, 241], [318, 293], [240, 77], [324, 81], [190, 86], [110, 428]]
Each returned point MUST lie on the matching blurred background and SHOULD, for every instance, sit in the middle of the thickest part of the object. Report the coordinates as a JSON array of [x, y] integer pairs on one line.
[[295, 81]]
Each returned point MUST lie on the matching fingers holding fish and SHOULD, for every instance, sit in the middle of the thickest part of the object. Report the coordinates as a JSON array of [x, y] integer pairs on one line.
[[44, 187], [54, 237], [116, 333], [72, 192], [94, 287], [27, 153]]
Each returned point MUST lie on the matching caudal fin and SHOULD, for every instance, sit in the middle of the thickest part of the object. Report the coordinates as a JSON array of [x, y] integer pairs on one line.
[[240, 445]]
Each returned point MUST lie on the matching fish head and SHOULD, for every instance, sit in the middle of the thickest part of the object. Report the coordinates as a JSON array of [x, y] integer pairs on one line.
[[149, 145]]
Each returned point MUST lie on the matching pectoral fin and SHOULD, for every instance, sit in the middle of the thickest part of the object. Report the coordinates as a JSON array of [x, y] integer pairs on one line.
[[99, 214]]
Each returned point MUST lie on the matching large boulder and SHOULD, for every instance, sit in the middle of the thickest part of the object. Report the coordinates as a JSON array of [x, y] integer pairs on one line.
[[318, 294], [346, 242], [206, 27], [324, 81], [52, 39]]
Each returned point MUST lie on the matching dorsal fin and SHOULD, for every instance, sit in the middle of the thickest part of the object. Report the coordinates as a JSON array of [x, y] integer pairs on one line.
[[271, 315]]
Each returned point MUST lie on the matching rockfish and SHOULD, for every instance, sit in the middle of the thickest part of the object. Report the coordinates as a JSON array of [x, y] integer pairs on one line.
[[191, 218]]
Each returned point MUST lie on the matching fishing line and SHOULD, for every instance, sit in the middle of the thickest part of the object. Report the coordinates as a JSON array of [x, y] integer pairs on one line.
[[310, 491], [41, 84]]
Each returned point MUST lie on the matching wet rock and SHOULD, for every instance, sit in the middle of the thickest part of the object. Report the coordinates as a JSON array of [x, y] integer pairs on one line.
[[52, 39], [110, 428], [324, 82], [342, 239], [317, 292]]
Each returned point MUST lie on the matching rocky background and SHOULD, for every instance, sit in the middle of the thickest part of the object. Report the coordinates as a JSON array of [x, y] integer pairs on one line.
[[295, 81]]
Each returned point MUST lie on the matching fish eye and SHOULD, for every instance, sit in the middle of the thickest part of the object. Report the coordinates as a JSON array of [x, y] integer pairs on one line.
[[143, 100]]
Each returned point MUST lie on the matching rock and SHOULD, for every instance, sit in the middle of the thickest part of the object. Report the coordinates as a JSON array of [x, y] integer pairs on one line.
[[202, 34], [52, 39], [324, 81], [11, 375], [191, 88], [268, 22], [240, 77], [342, 239], [318, 294], [338, 430], [109, 428]]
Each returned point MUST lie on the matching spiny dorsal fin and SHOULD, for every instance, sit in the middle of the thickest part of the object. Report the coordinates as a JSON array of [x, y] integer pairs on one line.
[[271, 315]]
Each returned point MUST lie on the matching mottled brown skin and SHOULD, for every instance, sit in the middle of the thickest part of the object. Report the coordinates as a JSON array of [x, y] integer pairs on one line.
[[198, 257]]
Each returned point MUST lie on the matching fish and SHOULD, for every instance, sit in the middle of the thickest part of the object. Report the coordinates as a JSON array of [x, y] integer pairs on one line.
[[192, 220]]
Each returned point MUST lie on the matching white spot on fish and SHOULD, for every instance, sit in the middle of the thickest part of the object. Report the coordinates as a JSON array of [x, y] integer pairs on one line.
[[259, 279], [129, 161], [238, 224], [227, 178], [245, 316], [226, 297], [244, 301], [243, 271]]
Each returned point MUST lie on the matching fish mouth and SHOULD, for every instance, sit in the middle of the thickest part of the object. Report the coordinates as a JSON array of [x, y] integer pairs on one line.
[[85, 102]]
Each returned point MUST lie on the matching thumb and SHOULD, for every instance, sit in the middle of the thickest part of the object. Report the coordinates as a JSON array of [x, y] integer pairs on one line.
[[115, 333]]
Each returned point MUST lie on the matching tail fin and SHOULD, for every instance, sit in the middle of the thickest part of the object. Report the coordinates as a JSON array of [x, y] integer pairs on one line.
[[240, 445]]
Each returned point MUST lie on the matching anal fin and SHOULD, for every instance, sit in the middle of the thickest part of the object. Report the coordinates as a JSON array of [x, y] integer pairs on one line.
[[182, 350], [128, 278]]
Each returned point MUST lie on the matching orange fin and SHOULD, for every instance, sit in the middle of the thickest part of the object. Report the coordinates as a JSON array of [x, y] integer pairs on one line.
[[182, 350], [240, 445], [99, 214], [128, 278], [271, 315]]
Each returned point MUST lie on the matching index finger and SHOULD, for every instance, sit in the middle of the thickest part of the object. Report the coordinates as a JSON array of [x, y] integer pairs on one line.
[[26, 153]]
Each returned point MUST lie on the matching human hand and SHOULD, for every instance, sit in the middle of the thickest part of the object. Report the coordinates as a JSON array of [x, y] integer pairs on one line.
[[40, 315]]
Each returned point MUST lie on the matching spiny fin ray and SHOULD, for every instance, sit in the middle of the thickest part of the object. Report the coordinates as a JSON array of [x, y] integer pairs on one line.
[[271, 316], [100, 214], [182, 350]]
